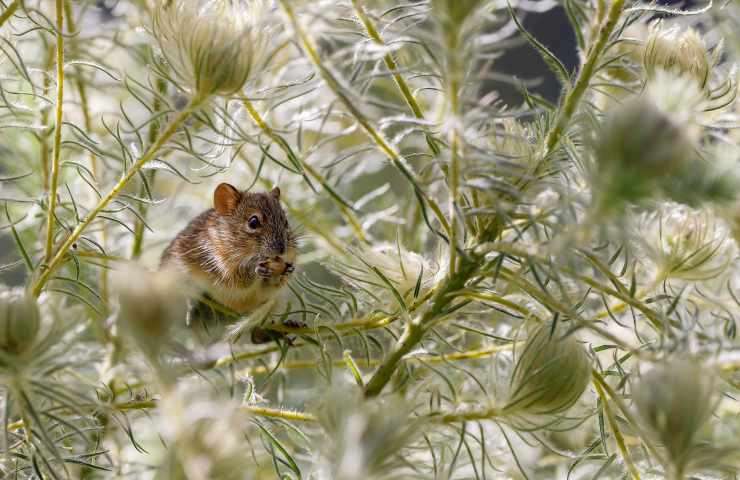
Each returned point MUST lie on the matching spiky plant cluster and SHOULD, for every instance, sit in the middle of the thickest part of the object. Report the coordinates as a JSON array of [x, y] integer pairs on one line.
[[489, 285]]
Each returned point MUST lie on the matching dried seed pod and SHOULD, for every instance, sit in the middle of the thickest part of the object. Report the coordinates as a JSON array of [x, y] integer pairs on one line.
[[19, 321], [550, 375]]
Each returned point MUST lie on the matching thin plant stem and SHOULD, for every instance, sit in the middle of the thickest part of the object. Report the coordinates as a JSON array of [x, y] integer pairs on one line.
[[290, 415], [469, 416], [348, 215], [415, 329], [57, 145], [279, 413], [626, 413], [574, 95], [8, 12], [617, 432], [384, 145], [149, 155], [139, 227], [477, 354], [44, 136], [392, 66], [87, 122]]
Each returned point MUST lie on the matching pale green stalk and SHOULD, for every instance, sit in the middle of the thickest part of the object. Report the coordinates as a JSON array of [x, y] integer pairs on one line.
[[138, 242], [8, 12], [392, 66], [87, 121], [468, 416], [348, 214], [415, 329], [617, 432], [57, 146], [384, 145], [574, 95], [626, 413], [149, 155]]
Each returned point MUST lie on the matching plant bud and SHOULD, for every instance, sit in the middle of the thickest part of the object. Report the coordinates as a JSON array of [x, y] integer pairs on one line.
[[19, 321], [151, 302], [212, 45], [682, 52], [674, 401], [366, 435], [551, 374], [455, 11], [639, 152], [205, 437]]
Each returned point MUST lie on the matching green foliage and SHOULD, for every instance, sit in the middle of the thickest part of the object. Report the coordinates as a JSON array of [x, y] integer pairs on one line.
[[488, 286]]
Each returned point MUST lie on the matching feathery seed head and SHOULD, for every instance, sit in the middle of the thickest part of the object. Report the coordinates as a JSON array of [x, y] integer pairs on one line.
[[550, 375], [639, 151], [150, 303], [675, 400], [204, 435], [685, 243], [682, 52], [212, 45], [366, 435], [20, 321]]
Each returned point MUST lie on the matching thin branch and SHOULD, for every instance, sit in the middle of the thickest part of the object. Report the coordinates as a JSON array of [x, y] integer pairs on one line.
[[149, 155], [57, 145]]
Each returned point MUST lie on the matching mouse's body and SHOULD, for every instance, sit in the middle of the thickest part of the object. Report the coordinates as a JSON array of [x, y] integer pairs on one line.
[[241, 252]]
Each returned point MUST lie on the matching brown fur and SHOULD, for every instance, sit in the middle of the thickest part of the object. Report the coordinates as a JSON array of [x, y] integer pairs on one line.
[[239, 267]]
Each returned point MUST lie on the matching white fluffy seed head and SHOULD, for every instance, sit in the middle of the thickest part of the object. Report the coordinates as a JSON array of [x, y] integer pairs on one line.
[[212, 46], [679, 51]]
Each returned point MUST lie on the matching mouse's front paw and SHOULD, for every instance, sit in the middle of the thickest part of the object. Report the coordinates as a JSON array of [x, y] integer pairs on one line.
[[264, 270]]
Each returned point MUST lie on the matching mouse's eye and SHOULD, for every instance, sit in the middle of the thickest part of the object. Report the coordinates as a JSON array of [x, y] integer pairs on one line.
[[253, 222]]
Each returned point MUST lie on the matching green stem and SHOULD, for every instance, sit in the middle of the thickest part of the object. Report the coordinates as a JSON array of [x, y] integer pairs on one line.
[[384, 145], [44, 136], [626, 413], [470, 416], [573, 97], [152, 137], [149, 155], [57, 148], [616, 431], [390, 63], [279, 413], [348, 214], [416, 328], [87, 121], [8, 12]]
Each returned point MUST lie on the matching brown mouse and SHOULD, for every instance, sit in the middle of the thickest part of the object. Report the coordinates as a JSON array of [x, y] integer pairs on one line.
[[241, 252]]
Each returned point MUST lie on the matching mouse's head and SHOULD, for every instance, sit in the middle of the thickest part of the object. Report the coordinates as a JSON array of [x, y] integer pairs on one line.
[[255, 237]]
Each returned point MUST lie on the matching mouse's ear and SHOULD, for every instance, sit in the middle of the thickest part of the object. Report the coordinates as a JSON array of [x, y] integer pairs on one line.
[[226, 198], [275, 192]]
